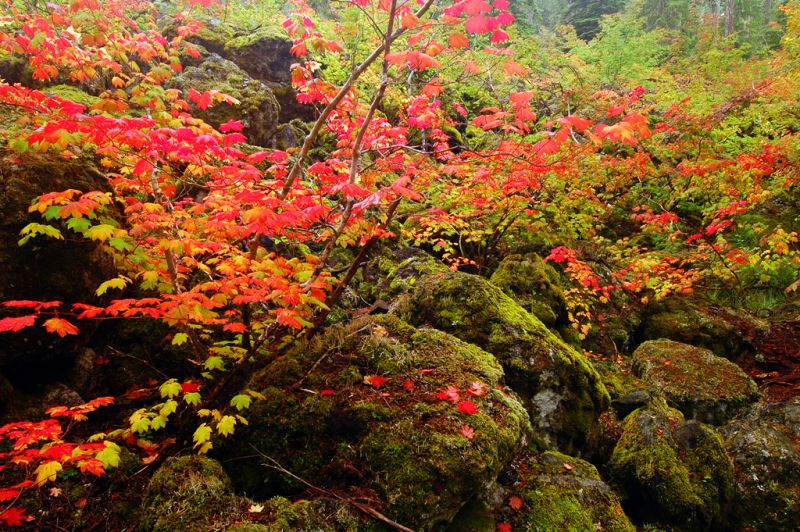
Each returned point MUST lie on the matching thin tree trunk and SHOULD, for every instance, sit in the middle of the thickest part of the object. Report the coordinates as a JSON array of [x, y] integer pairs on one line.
[[730, 9]]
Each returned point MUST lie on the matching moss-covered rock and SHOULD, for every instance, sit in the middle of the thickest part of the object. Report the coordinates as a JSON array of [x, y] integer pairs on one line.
[[697, 323], [187, 493], [334, 425], [392, 273], [561, 390], [535, 285], [671, 471], [264, 54], [700, 384], [765, 447], [318, 515], [560, 492], [44, 269], [72, 93], [257, 109]]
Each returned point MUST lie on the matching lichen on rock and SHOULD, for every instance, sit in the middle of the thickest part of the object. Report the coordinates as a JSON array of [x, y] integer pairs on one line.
[[765, 446], [700, 384]]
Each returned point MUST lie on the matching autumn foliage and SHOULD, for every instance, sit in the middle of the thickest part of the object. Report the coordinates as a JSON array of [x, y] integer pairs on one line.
[[231, 246]]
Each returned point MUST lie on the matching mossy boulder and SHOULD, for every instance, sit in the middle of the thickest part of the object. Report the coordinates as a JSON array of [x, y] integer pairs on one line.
[[317, 515], [670, 471], [257, 109], [561, 390], [72, 93], [188, 493], [264, 54], [535, 285], [560, 492], [723, 331], [765, 447], [694, 380], [328, 418], [393, 272], [44, 269]]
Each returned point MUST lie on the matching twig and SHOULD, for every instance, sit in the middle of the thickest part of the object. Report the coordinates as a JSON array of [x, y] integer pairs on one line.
[[372, 512]]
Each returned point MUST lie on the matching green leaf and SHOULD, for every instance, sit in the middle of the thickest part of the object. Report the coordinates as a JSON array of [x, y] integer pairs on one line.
[[100, 232], [140, 425], [79, 225], [33, 229], [120, 244], [180, 338], [226, 425], [118, 283], [192, 398], [37, 40], [171, 388], [241, 402], [110, 455], [168, 408], [201, 435], [158, 423], [19, 145], [215, 362]]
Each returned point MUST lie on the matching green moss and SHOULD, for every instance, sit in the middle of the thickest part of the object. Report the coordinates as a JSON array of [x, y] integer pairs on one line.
[[688, 321], [535, 285], [672, 368], [257, 107], [186, 493], [562, 392], [406, 445], [764, 445], [672, 471], [398, 271], [253, 37], [74, 94], [561, 492]]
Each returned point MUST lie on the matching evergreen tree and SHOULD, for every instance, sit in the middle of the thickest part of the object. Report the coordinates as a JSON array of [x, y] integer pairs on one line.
[[585, 15]]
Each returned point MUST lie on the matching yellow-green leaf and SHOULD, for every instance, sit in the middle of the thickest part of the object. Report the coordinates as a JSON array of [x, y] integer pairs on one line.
[[47, 472], [226, 425]]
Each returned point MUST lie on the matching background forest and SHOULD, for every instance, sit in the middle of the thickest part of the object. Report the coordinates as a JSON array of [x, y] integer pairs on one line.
[[400, 265]]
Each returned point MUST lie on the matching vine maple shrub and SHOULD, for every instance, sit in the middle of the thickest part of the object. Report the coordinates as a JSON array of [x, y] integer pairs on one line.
[[200, 260]]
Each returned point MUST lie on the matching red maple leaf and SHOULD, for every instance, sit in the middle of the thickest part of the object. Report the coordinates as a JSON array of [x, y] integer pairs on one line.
[[376, 381], [451, 394], [13, 516], [467, 407]]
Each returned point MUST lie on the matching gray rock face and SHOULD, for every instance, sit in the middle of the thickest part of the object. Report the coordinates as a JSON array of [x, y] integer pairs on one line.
[[257, 109], [765, 447], [694, 380]]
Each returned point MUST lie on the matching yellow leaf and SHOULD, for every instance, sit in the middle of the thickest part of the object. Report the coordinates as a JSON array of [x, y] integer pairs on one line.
[[47, 472]]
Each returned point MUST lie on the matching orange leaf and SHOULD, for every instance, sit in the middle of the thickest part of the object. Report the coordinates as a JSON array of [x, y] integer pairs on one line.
[[60, 327], [458, 40]]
